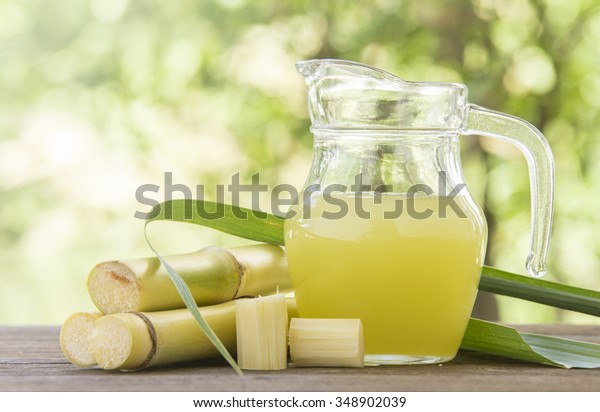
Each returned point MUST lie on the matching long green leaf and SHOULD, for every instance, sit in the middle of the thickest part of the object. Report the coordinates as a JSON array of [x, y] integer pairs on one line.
[[499, 340], [541, 291], [481, 336], [237, 221]]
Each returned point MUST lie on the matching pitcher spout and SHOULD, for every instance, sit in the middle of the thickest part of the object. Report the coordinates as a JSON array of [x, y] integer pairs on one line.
[[314, 69], [344, 94]]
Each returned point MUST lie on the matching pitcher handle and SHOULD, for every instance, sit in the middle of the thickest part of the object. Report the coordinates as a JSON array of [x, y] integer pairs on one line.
[[533, 144]]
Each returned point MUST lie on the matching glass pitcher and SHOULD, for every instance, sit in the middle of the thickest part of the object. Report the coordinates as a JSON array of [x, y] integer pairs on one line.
[[385, 229]]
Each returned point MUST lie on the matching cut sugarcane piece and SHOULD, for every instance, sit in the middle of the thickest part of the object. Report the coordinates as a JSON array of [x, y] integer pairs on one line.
[[74, 335], [261, 326], [135, 340], [326, 342], [214, 275], [121, 341]]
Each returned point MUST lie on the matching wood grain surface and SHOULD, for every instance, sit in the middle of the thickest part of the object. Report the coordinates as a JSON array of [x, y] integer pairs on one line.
[[31, 360]]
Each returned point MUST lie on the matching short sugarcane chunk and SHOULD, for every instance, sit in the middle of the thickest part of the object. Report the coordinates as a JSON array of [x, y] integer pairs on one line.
[[326, 342], [261, 326]]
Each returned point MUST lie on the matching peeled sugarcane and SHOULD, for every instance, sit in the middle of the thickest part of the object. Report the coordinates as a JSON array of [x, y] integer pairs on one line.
[[327, 342], [213, 274], [74, 338], [130, 341], [261, 326]]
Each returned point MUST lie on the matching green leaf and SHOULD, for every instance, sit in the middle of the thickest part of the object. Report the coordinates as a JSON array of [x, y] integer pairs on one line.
[[499, 340], [481, 336], [540, 291], [234, 220]]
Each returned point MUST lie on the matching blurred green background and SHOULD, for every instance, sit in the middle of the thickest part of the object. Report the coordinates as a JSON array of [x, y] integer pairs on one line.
[[99, 97]]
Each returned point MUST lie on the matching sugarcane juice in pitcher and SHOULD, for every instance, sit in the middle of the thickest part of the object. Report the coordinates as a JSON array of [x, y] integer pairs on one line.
[[411, 279]]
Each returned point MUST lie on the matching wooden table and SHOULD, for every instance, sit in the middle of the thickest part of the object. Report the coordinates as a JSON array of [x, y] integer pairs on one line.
[[31, 360]]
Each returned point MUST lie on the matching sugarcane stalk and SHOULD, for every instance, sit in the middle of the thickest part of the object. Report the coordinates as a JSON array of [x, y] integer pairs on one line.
[[131, 341], [214, 275], [74, 338]]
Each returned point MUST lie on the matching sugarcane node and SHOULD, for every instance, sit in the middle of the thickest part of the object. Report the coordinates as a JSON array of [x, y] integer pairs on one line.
[[263, 270], [153, 339], [239, 265]]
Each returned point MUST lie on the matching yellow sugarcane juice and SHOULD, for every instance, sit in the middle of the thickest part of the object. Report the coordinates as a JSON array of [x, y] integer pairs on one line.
[[411, 276]]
